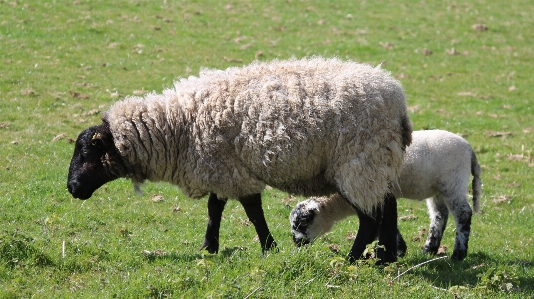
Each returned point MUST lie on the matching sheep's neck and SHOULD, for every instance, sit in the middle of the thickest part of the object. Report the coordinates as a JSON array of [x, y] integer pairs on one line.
[[160, 153]]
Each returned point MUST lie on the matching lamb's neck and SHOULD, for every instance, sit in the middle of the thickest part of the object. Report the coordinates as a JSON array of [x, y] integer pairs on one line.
[[338, 207]]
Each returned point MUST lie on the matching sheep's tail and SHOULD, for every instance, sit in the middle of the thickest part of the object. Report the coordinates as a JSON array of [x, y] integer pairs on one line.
[[476, 183]]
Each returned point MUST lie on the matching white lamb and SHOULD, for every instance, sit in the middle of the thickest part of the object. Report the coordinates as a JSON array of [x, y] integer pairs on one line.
[[437, 168]]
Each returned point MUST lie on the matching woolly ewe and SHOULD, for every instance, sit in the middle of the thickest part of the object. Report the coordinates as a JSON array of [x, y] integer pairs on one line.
[[312, 126]]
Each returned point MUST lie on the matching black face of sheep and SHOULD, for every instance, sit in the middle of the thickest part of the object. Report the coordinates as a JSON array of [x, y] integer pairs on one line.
[[94, 163]]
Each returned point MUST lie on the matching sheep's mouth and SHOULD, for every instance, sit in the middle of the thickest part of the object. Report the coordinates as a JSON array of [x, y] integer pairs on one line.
[[82, 196], [77, 192]]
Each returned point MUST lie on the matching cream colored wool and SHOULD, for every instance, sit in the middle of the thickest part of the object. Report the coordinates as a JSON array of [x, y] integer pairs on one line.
[[312, 126]]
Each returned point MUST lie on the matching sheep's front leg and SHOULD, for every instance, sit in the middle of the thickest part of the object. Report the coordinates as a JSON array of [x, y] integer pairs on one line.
[[252, 205], [215, 210], [388, 231], [367, 233]]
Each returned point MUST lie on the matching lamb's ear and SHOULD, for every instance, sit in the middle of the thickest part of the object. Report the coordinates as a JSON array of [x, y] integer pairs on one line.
[[313, 207]]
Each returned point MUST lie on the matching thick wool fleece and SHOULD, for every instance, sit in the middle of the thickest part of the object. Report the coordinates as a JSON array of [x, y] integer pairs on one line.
[[311, 126]]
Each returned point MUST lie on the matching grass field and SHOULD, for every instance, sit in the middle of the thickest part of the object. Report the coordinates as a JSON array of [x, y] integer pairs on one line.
[[465, 67]]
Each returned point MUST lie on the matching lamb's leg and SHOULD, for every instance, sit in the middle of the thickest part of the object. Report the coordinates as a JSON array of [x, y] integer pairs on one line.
[[252, 205], [462, 216], [387, 233], [215, 210], [438, 212], [367, 233]]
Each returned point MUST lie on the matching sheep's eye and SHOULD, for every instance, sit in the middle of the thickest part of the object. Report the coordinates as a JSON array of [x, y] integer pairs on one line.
[[85, 152]]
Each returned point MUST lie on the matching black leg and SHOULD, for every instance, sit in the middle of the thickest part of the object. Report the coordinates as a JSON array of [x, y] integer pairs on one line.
[[252, 205], [215, 210], [387, 234], [401, 244], [367, 233]]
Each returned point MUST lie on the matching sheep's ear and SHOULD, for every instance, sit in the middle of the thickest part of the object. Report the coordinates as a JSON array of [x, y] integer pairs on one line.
[[97, 140], [315, 211]]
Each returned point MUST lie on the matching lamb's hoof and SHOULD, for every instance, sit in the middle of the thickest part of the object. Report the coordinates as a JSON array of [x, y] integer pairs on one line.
[[459, 255], [212, 248], [430, 250]]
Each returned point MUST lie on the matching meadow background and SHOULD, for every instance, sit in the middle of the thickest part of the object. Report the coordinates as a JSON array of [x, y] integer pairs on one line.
[[466, 67]]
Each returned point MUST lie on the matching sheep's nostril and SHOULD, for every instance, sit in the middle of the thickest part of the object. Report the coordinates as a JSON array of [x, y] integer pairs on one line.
[[72, 186]]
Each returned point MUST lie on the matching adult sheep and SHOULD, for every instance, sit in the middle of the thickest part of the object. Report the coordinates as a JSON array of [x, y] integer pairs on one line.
[[437, 167], [313, 126]]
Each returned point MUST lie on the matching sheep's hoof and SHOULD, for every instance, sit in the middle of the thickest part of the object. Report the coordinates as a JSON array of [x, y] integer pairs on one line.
[[211, 248], [459, 255], [401, 245], [401, 248], [270, 246]]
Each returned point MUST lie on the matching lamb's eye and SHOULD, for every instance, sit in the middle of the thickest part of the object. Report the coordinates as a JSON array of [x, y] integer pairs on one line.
[[85, 152], [302, 225]]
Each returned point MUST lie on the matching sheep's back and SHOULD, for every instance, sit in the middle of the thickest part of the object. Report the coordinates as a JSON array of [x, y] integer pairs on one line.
[[290, 123]]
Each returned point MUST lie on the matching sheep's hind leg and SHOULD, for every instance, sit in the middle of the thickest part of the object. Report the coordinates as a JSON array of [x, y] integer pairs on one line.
[[401, 244], [462, 216], [252, 205], [215, 210], [439, 214], [388, 231]]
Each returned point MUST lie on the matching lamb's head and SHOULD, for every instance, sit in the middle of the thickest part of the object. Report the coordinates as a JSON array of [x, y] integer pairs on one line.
[[95, 162], [308, 221]]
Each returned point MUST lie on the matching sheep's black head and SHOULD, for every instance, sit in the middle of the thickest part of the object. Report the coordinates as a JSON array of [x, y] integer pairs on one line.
[[95, 162]]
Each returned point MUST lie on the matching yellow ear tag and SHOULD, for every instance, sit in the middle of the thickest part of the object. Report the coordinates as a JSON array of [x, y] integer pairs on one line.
[[96, 136]]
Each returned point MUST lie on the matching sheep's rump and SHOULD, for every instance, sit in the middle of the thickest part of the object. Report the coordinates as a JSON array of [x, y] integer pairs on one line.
[[311, 126]]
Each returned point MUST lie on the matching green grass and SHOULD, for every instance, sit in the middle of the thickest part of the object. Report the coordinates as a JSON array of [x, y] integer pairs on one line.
[[62, 63]]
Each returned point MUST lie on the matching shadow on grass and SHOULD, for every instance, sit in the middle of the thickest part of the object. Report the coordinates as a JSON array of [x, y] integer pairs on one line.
[[446, 272], [189, 257]]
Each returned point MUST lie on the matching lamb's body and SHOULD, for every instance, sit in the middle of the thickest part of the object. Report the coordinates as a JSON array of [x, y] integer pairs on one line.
[[312, 126], [437, 168]]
